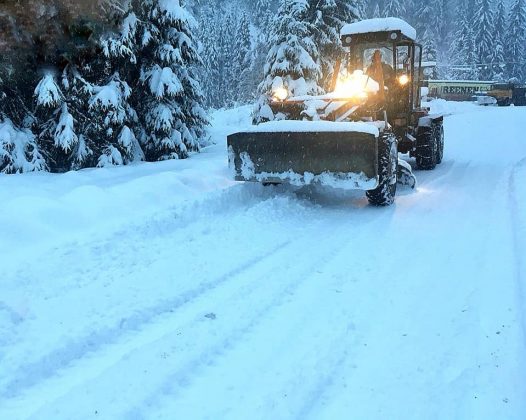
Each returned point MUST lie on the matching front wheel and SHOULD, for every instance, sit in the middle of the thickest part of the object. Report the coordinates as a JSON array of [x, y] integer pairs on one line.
[[384, 194]]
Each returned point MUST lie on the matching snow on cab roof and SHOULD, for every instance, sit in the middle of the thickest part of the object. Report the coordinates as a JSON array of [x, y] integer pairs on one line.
[[380, 25]]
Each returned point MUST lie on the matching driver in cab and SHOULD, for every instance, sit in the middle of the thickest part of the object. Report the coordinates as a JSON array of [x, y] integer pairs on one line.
[[381, 72]]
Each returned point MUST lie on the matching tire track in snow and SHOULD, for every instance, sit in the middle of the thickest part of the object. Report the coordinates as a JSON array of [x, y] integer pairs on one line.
[[308, 324], [256, 285], [32, 374], [443, 172], [182, 377], [59, 361]]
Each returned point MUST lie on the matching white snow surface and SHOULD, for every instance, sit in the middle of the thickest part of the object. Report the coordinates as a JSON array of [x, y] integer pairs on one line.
[[286, 126], [162, 291], [379, 25]]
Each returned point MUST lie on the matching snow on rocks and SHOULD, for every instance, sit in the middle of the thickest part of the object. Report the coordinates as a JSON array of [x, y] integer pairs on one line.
[[379, 25]]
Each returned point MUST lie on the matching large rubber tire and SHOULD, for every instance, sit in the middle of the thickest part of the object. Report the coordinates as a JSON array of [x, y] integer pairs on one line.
[[384, 194], [438, 132], [426, 149]]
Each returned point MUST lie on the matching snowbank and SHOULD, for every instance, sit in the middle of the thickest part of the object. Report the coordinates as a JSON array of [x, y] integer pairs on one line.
[[441, 106], [38, 209]]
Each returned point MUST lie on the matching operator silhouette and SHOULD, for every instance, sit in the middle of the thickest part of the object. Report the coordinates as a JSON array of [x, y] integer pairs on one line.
[[381, 72]]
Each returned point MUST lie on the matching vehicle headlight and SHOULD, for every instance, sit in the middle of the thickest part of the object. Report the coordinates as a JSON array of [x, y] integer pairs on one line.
[[351, 88], [403, 79], [356, 85], [280, 94]]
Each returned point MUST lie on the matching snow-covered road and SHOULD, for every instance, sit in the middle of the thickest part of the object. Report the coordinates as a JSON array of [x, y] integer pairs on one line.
[[166, 291]]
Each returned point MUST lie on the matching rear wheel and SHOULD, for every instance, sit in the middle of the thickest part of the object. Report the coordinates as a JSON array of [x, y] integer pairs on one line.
[[426, 149], [384, 194], [438, 132]]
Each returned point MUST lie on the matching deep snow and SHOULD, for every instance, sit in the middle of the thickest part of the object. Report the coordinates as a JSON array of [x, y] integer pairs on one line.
[[169, 291]]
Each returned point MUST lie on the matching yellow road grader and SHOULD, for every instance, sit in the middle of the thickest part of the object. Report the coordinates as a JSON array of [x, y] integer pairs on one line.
[[350, 138]]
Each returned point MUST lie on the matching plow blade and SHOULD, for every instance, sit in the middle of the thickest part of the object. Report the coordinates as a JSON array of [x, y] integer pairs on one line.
[[346, 159]]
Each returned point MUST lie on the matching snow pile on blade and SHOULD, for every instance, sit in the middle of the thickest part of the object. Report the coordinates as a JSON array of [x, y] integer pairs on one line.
[[286, 126], [344, 181], [379, 25]]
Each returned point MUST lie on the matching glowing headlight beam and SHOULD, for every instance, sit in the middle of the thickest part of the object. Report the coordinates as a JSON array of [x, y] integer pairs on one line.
[[403, 79], [356, 85], [350, 88], [280, 94]]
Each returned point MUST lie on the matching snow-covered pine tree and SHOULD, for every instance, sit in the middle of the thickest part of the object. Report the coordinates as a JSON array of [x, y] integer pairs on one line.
[[429, 48], [395, 8], [263, 13], [329, 16], [122, 46], [376, 11], [62, 120], [292, 61], [441, 22], [208, 33], [111, 117], [51, 113], [426, 32], [498, 68], [360, 7], [243, 60], [472, 72], [169, 101], [67, 127], [516, 41], [12, 99], [99, 95], [234, 59], [74, 128], [227, 83], [464, 49], [484, 28], [19, 149], [220, 32], [409, 10], [228, 55]]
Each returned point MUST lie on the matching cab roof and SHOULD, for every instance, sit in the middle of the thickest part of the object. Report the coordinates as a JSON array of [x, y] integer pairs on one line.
[[389, 24]]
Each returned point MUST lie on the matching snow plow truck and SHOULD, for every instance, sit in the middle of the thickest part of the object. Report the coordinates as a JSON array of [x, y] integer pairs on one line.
[[350, 138]]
